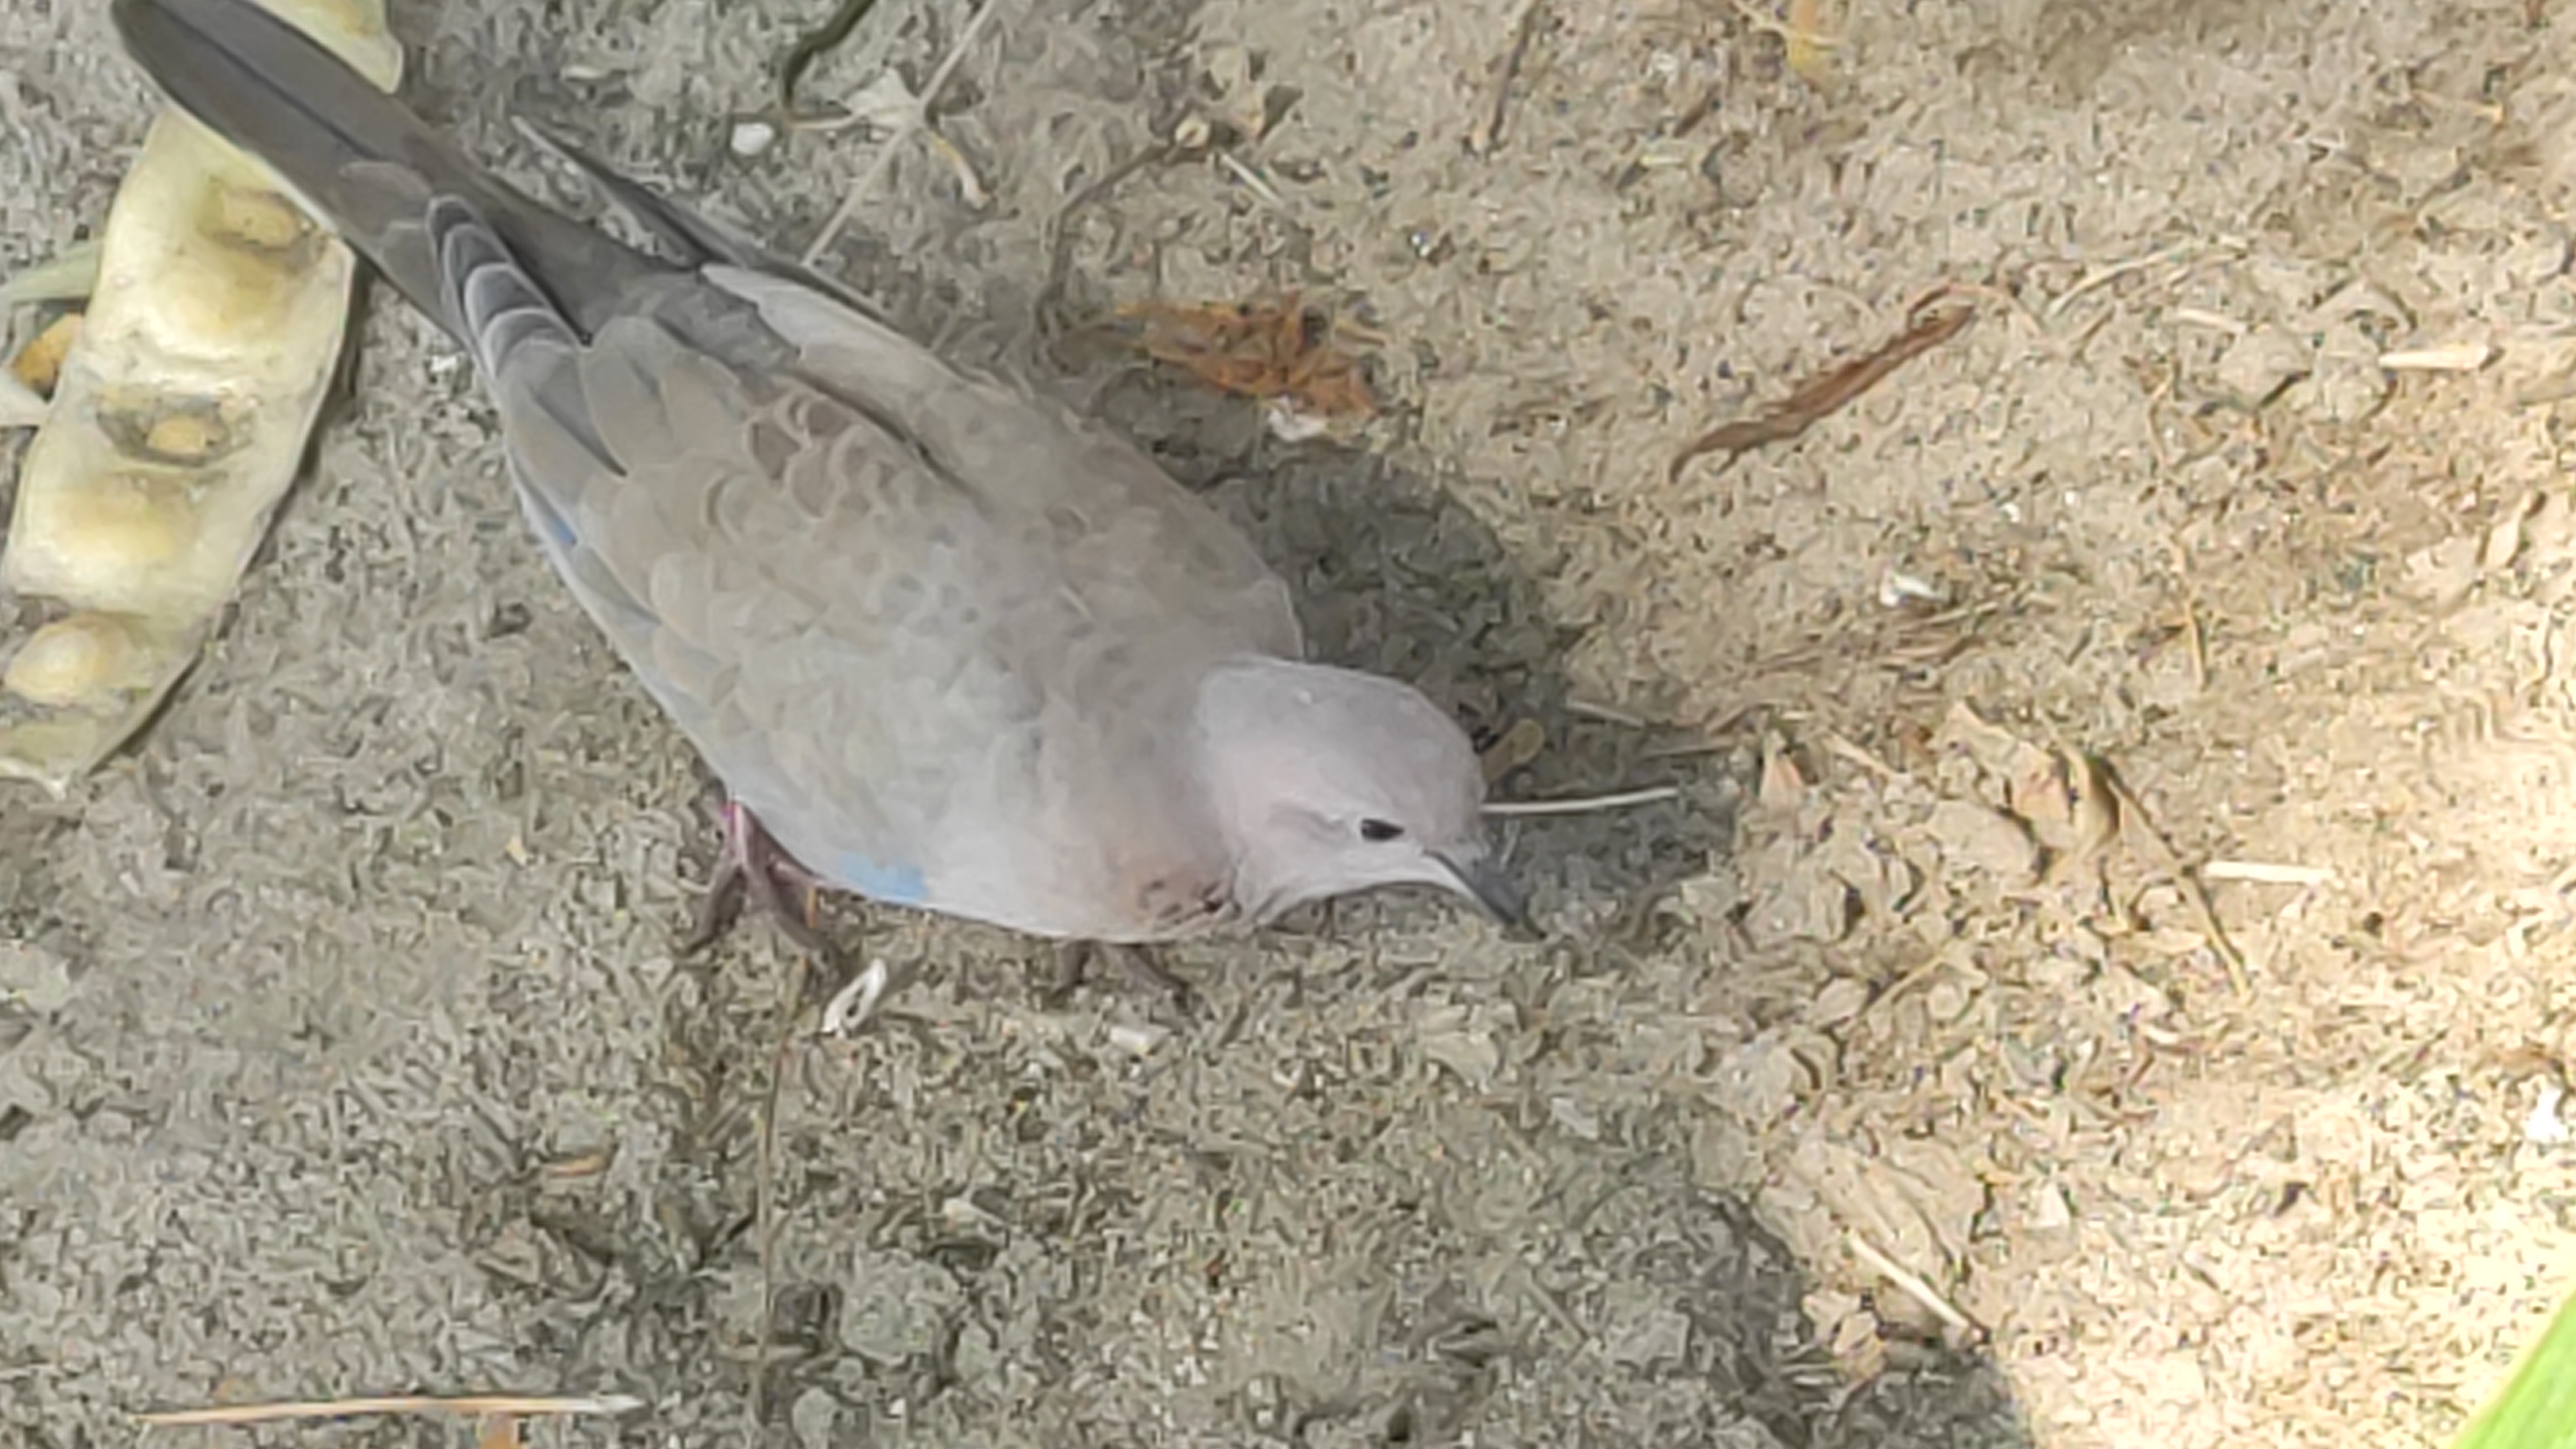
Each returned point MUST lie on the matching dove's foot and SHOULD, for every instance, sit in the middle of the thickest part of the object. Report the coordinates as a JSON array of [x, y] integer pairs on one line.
[[1073, 963], [751, 866]]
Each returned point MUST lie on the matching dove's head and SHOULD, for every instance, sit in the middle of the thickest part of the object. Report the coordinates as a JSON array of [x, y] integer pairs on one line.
[[1328, 781]]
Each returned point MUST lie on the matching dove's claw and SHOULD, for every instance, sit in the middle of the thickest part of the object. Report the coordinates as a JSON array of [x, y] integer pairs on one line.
[[751, 866], [1136, 963]]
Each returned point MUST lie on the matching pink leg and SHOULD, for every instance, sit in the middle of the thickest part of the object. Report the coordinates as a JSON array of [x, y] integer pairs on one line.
[[751, 865]]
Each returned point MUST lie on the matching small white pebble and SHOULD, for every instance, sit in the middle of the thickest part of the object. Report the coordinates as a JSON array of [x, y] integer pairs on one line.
[[750, 138], [851, 1006], [1291, 426], [1896, 589], [2546, 1126], [1135, 1040]]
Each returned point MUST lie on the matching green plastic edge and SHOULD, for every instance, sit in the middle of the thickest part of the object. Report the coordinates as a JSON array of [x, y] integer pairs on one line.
[[2537, 1409]]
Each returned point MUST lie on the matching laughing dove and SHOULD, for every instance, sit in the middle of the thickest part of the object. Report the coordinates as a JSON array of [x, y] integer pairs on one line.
[[945, 646]]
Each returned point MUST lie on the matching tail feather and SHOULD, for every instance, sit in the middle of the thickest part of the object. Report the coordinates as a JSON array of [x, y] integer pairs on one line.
[[361, 159]]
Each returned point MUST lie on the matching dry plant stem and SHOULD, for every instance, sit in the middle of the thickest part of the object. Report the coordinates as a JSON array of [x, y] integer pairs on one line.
[[765, 1174], [1488, 130], [2161, 856], [1821, 397], [1059, 232], [2116, 270], [888, 149], [1606, 714], [2448, 357], [1915, 1288], [475, 1405], [2264, 872], [835, 29], [2193, 634], [1585, 804]]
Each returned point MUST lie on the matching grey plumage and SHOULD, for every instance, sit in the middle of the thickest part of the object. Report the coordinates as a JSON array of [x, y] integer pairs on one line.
[[949, 646]]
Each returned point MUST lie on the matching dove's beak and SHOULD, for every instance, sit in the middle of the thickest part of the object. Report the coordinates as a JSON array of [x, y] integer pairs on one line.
[[1481, 877]]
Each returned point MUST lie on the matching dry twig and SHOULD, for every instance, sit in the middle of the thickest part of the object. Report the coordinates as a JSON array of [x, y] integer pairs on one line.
[[1585, 804], [1488, 130], [470, 1406], [2161, 855], [1927, 327], [917, 118], [810, 48], [1915, 1288]]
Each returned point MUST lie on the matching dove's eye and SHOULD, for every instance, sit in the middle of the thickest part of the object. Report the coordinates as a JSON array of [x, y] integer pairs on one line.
[[1378, 832]]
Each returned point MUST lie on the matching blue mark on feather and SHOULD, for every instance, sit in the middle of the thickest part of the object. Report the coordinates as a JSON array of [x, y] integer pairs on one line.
[[556, 528], [900, 885]]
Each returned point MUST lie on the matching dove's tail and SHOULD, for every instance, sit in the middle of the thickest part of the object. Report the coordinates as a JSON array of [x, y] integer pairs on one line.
[[359, 158]]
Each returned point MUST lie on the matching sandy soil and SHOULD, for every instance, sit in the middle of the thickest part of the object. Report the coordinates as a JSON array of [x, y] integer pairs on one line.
[[344, 1050]]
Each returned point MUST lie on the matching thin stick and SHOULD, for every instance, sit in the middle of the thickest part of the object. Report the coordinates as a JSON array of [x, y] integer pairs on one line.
[[2193, 634], [1607, 714], [2447, 357], [1254, 182], [1821, 397], [2161, 854], [2117, 270], [2263, 872], [806, 51], [919, 117], [1914, 1288], [1488, 130], [1583, 804], [469, 1406], [764, 1186]]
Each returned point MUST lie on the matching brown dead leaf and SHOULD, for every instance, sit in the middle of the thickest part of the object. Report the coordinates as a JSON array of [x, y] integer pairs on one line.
[[501, 1431], [1266, 350], [40, 363]]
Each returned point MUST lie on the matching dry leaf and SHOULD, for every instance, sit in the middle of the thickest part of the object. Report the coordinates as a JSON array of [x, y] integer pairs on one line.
[[1257, 349]]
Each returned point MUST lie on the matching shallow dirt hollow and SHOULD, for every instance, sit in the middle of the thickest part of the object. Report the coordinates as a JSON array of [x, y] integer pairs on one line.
[[2126, 765]]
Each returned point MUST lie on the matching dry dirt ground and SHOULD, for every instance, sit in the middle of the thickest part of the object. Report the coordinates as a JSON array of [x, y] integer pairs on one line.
[[2120, 873]]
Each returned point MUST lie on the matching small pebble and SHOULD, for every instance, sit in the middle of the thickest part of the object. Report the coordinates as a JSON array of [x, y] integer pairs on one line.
[[750, 138]]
